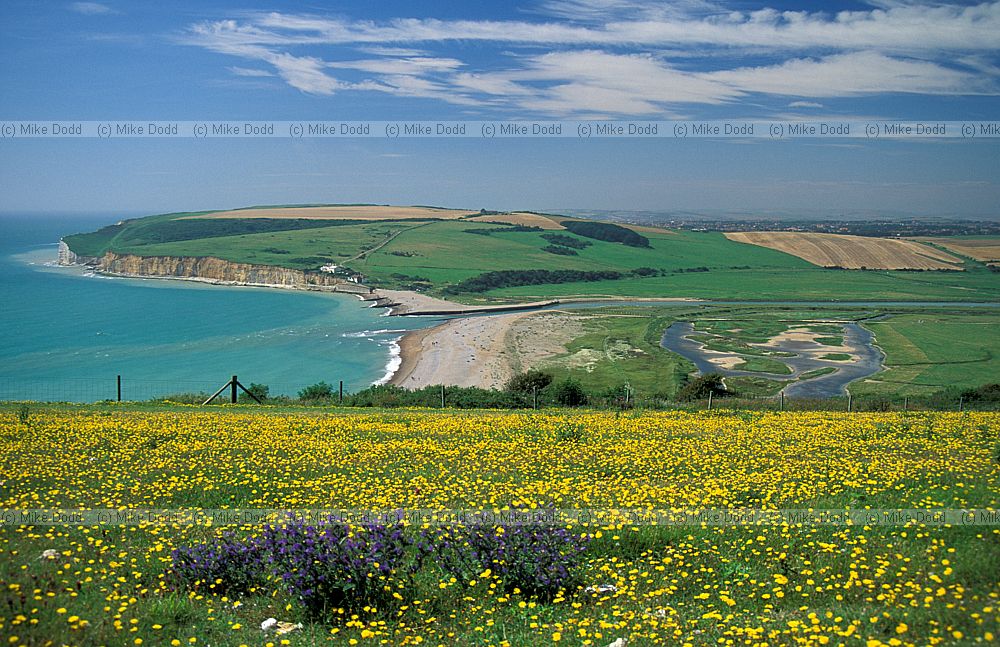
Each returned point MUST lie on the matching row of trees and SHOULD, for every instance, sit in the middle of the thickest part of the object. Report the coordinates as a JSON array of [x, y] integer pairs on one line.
[[513, 278]]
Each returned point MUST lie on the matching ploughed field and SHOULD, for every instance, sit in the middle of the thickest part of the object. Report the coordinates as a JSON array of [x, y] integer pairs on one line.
[[583, 582]]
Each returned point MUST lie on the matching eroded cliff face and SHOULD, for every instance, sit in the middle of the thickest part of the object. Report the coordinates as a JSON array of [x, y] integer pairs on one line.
[[68, 257], [216, 270]]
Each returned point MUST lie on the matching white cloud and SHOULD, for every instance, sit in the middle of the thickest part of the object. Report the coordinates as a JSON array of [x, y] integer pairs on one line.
[[903, 28], [630, 57], [304, 73], [853, 74], [392, 51], [496, 83], [636, 74], [91, 8], [412, 86], [244, 71], [406, 66], [605, 10]]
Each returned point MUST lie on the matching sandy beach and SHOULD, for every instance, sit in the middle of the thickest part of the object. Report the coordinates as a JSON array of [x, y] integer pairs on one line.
[[483, 351]]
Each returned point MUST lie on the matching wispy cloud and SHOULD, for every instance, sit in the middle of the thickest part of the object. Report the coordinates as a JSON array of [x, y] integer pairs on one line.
[[629, 57], [906, 27], [91, 8], [245, 71], [853, 74]]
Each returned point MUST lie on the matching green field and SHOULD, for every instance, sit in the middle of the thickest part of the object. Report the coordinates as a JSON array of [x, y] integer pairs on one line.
[[621, 346], [435, 255], [930, 351]]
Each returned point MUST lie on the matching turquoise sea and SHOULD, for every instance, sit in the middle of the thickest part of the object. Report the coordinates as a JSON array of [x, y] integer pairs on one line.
[[67, 333]]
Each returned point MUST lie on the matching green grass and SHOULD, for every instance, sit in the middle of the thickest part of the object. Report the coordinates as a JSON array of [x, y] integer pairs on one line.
[[808, 375], [337, 244], [928, 352], [763, 365], [804, 285], [618, 350], [837, 357]]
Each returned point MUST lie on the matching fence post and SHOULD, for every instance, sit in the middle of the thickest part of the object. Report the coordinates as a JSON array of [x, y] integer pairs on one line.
[[905, 402], [119, 388], [341, 401], [781, 405], [850, 402], [709, 400], [232, 393], [442, 396], [534, 397], [961, 403]]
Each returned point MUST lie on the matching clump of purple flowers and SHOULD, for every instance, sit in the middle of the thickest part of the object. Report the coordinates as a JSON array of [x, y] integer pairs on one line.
[[335, 565], [540, 560], [223, 565]]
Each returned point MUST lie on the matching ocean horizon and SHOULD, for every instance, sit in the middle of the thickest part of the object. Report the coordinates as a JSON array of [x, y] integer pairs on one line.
[[71, 332]]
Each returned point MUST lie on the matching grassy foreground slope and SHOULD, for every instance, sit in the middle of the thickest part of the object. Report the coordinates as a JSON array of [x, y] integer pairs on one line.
[[858, 584], [441, 252]]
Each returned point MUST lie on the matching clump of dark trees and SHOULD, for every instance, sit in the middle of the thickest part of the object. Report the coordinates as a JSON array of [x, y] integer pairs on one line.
[[606, 231]]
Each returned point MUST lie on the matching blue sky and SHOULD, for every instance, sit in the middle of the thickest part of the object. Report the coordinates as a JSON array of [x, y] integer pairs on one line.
[[537, 59]]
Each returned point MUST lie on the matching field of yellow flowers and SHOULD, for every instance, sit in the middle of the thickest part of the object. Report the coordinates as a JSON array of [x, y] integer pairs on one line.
[[915, 584]]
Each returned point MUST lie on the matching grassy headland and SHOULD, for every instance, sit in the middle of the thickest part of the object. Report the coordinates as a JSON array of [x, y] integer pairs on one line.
[[477, 260]]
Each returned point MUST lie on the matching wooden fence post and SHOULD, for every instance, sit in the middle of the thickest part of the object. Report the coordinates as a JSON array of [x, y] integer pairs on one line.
[[341, 401], [119, 388]]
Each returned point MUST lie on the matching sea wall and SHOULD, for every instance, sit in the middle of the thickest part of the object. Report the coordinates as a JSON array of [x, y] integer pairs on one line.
[[216, 270]]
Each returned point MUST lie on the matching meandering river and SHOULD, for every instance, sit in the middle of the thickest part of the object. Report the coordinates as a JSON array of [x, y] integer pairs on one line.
[[858, 341]]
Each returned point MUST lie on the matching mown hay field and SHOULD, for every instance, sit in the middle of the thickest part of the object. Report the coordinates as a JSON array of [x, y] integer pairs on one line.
[[898, 584], [986, 249], [852, 252]]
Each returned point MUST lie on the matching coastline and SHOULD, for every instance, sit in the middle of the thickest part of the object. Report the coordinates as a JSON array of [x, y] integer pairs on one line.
[[465, 351], [409, 354]]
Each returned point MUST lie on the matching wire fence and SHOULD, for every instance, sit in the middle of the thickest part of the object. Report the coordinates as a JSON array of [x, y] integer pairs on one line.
[[117, 389], [123, 389]]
